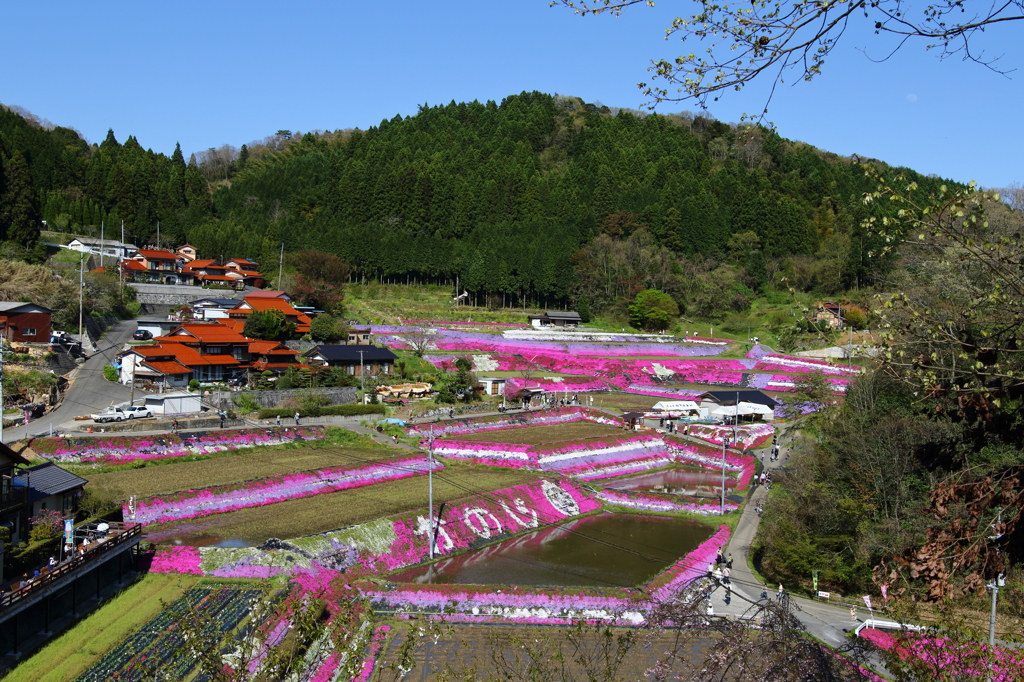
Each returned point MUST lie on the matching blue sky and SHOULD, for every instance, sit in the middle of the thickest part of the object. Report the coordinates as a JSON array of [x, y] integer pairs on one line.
[[209, 73]]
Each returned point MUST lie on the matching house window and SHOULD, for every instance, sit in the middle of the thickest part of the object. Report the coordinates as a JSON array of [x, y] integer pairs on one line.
[[236, 352], [494, 388], [28, 331], [214, 350]]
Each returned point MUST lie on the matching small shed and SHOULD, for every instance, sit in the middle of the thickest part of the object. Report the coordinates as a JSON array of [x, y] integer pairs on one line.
[[633, 420], [492, 385], [174, 403]]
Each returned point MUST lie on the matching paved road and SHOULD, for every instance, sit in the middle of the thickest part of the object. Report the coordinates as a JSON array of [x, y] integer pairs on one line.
[[89, 391], [829, 624]]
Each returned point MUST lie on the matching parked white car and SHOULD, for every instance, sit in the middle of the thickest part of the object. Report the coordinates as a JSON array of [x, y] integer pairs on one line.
[[138, 412]]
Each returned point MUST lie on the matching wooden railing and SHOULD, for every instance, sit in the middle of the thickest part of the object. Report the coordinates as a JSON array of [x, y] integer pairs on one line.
[[118, 535]]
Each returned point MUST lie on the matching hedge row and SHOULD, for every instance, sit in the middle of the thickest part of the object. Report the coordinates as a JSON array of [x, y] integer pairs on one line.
[[342, 410]]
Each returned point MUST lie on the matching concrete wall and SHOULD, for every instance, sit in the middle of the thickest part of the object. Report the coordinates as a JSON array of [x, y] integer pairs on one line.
[[222, 400], [180, 294]]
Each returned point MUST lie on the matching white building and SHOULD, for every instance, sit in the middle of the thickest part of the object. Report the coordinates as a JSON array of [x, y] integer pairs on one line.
[[109, 247]]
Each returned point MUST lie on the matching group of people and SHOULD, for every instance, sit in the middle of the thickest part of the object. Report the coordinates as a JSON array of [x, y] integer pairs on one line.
[[765, 479]]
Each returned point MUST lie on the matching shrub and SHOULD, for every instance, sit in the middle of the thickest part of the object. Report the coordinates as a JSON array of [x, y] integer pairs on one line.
[[324, 411], [245, 402], [110, 373]]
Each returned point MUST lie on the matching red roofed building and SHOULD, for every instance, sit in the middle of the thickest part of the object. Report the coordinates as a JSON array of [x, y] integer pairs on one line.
[[158, 266], [262, 304]]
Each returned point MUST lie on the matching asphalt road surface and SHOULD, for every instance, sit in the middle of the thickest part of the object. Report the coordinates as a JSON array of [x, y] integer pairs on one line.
[[89, 391]]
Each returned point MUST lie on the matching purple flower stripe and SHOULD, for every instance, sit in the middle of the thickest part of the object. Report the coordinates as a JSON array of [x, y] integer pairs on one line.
[[198, 503]]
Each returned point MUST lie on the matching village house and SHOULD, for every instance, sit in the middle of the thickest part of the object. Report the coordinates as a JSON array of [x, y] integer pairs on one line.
[[752, 403], [831, 315], [187, 253], [51, 488], [212, 308], [556, 318], [24, 322], [491, 385], [355, 359], [252, 303], [107, 247], [160, 267], [14, 500]]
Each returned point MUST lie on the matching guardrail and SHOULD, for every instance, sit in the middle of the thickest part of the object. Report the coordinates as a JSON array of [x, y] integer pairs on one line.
[[95, 551]]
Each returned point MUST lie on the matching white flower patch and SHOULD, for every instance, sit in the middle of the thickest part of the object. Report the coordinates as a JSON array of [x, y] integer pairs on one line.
[[485, 363], [591, 453]]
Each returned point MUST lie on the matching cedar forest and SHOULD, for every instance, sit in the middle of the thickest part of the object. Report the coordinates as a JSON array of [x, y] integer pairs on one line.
[[547, 200]]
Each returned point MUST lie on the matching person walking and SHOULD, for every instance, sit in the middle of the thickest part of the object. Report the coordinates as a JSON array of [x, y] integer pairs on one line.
[[296, 417], [223, 417], [175, 426], [278, 420], [726, 574], [728, 560], [778, 595], [451, 413]]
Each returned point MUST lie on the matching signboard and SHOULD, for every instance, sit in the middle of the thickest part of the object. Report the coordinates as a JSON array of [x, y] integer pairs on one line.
[[824, 595], [69, 531]]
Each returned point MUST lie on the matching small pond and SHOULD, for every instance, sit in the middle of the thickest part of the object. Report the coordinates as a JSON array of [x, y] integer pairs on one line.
[[605, 550], [676, 481]]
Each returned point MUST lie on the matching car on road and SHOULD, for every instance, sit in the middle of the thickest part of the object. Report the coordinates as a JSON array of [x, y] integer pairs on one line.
[[142, 335], [119, 413]]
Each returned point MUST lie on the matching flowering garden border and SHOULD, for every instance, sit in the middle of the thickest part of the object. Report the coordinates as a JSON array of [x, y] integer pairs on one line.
[[653, 503], [126, 449], [191, 504]]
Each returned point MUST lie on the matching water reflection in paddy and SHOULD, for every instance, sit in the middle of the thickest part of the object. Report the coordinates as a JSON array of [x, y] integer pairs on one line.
[[621, 550], [688, 481]]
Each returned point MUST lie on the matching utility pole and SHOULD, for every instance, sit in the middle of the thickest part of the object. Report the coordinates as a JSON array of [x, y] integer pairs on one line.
[[101, 243], [131, 400], [430, 493], [81, 288], [2, 402], [158, 234]]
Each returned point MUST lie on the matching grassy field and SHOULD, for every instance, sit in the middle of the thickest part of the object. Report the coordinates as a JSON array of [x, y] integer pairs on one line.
[[242, 465], [549, 433], [623, 402], [296, 518], [74, 652]]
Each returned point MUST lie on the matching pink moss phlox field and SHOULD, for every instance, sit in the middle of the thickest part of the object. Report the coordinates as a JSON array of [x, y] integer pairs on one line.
[[710, 458], [579, 458], [192, 504], [528, 605], [692, 566], [373, 648], [653, 503], [124, 449], [941, 654], [746, 437], [478, 519], [556, 415], [177, 559]]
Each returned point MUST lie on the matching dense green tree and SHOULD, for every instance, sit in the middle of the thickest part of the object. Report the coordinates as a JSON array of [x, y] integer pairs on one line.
[[653, 310], [19, 210], [269, 325]]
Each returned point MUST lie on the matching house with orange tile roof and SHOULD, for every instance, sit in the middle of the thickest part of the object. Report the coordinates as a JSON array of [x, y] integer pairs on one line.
[[204, 351], [157, 266], [261, 304]]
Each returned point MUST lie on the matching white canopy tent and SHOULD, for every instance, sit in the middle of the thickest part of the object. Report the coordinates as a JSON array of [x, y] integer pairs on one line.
[[742, 410], [676, 406]]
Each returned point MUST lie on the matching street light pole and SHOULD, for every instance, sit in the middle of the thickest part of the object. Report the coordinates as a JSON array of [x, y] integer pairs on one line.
[[996, 583], [725, 444]]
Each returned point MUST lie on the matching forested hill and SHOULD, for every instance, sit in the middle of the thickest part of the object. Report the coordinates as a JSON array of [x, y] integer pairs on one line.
[[501, 195], [504, 195]]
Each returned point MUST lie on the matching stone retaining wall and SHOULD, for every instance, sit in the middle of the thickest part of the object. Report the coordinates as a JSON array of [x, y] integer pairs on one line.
[[223, 400]]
